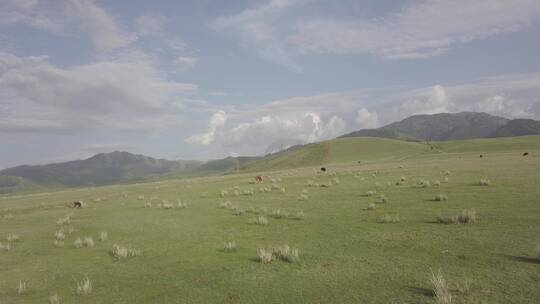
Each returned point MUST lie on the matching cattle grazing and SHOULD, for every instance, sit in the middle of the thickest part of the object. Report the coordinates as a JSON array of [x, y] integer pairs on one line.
[[77, 204], [481, 155], [258, 179], [323, 169], [525, 154]]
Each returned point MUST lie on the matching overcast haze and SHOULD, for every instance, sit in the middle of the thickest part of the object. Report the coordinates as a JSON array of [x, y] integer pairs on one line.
[[208, 79]]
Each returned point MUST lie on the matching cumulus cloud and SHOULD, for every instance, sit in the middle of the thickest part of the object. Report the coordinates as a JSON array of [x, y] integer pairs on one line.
[[426, 101], [64, 17], [366, 119], [421, 29], [216, 121], [122, 95], [263, 131]]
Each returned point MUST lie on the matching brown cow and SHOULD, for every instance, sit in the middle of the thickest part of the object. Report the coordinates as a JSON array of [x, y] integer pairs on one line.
[[258, 179], [77, 204]]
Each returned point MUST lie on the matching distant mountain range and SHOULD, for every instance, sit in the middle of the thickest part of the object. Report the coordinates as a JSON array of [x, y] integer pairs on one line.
[[109, 168], [123, 167], [456, 126]]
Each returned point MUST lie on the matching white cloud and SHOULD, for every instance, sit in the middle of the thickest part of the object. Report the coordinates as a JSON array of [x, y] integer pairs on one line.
[[421, 29], [216, 121], [63, 17], [366, 119], [114, 95], [259, 28], [426, 101], [185, 63]]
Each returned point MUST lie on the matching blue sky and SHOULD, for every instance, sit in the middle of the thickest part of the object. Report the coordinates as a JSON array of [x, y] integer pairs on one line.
[[208, 79]]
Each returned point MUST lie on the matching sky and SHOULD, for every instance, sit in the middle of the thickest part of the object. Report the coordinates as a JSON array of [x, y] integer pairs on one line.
[[208, 79]]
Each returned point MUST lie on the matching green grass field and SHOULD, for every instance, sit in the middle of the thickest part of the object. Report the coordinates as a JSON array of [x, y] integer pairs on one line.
[[346, 254]]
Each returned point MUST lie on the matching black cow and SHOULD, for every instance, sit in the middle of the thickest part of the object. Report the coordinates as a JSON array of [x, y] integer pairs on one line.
[[525, 154], [481, 155], [77, 204], [323, 169]]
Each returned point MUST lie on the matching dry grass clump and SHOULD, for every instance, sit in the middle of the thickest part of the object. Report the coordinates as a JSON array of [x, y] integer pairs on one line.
[[225, 205], [483, 182], [370, 193], [437, 183], [88, 242], [123, 252], [6, 247], [103, 236], [371, 206], [303, 196], [383, 199], [78, 243], [54, 299], [229, 246], [423, 184], [84, 287], [260, 220], [59, 235], [180, 204], [299, 215], [248, 192], [140, 197], [279, 214], [440, 288], [446, 179], [441, 197], [464, 217], [148, 205], [12, 237], [21, 288], [310, 183], [66, 220], [166, 204], [389, 218], [284, 253], [8, 216], [58, 243], [223, 193]]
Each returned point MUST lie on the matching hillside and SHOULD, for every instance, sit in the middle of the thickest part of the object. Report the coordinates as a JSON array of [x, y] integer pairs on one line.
[[109, 168], [338, 151], [453, 126]]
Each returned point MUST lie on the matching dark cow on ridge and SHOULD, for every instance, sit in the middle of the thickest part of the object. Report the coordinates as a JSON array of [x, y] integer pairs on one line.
[[481, 155], [323, 169], [77, 204], [258, 179], [526, 153]]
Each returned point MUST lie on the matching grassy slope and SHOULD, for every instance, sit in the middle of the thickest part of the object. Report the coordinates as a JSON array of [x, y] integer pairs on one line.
[[346, 256], [338, 151]]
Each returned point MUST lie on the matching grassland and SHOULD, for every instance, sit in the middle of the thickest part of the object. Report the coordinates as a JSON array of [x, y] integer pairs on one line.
[[346, 253]]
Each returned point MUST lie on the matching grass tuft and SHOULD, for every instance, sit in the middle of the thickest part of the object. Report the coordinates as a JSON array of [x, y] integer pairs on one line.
[[21, 288], [260, 220], [84, 287], [103, 236], [440, 288], [389, 218], [483, 182], [54, 299], [464, 217], [441, 197]]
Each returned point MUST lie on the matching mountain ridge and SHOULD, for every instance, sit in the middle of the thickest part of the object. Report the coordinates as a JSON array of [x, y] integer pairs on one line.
[[452, 126]]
